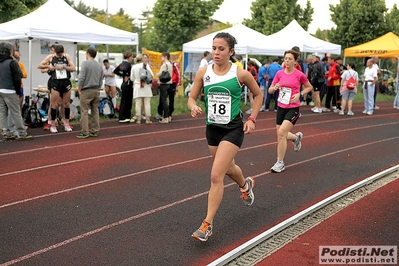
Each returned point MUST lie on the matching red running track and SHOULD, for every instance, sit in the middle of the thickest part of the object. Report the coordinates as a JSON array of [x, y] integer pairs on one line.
[[370, 221], [134, 195]]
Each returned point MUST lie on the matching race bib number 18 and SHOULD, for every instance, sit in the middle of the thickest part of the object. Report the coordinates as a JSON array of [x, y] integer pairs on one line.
[[219, 108]]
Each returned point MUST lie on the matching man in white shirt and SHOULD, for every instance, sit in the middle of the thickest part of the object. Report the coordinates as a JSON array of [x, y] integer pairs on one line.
[[370, 79], [205, 59], [375, 65], [109, 81]]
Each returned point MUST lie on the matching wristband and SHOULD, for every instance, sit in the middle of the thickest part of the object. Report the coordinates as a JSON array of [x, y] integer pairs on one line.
[[252, 118]]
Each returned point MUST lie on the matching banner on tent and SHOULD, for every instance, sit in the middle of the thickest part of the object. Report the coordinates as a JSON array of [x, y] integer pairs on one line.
[[155, 59]]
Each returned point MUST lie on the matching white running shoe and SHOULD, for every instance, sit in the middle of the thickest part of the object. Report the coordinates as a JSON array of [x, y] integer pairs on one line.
[[278, 167], [249, 111], [297, 142], [350, 113], [53, 129], [67, 128], [341, 112]]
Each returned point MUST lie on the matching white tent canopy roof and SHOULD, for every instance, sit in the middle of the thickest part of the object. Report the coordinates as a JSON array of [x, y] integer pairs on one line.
[[294, 35], [252, 42], [248, 42], [56, 20]]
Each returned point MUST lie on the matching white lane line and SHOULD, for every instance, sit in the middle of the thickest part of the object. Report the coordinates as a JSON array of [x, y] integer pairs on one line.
[[135, 217], [180, 163], [163, 131]]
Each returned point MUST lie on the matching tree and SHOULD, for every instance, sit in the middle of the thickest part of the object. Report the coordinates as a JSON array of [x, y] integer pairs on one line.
[[392, 19], [178, 21], [358, 21], [270, 16], [12, 9]]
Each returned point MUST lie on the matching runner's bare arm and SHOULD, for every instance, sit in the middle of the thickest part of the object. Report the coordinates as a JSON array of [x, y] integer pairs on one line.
[[195, 92]]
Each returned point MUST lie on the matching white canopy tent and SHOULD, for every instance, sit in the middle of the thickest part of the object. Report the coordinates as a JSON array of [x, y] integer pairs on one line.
[[294, 35], [249, 41], [45, 24]]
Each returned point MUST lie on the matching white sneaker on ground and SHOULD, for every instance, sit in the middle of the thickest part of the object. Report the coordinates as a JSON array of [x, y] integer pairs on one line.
[[278, 167], [369, 113], [53, 129], [317, 110], [350, 113], [341, 112], [376, 107], [67, 127], [364, 112], [249, 111]]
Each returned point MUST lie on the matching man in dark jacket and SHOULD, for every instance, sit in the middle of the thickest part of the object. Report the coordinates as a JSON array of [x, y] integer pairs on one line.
[[10, 88]]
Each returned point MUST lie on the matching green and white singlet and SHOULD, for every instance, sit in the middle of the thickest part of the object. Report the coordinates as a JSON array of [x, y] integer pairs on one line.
[[222, 97]]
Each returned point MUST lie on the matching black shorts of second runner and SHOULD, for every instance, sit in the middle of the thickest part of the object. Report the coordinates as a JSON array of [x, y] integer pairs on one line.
[[290, 114], [61, 85], [317, 86], [216, 134]]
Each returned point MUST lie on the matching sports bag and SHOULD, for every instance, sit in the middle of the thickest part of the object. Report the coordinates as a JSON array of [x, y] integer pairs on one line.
[[351, 83], [165, 76]]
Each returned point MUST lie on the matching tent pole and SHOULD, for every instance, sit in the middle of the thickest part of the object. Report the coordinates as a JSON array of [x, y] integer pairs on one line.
[[30, 68], [246, 68]]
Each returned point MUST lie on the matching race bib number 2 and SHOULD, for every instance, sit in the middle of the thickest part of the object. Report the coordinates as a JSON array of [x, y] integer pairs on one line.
[[284, 96], [219, 108]]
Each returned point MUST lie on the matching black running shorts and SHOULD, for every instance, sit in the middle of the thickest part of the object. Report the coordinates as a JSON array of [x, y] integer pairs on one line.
[[290, 114], [216, 134]]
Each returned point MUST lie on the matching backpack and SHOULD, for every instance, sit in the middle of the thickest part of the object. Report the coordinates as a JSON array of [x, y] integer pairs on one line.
[[106, 108], [145, 75], [175, 73], [351, 83], [33, 117]]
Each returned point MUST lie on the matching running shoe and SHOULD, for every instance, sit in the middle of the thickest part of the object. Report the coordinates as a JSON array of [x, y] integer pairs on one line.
[[369, 113], [350, 113], [26, 137], [82, 136], [9, 137], [278, 167], [53, 129], [364, 112], [317, 110], [124, 121], [297, 142], [248, 195], [376, 107], [67, 128], [47, 126], [203, 232], [93, 134], [341, 112], [249, 111]]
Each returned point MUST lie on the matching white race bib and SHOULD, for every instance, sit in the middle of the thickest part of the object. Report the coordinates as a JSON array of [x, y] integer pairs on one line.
[[219, 108], [61, 74], [284, 96]]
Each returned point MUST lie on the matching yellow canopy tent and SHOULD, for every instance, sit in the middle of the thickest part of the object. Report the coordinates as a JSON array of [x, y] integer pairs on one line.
[[386, 46]]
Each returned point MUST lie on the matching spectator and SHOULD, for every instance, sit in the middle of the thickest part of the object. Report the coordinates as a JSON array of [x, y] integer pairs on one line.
[[10, 89], [124, 70], [173, 89], [323, 90], [109, 81], [238, 61], [333, 85], [271, 73], [164, 88], [316, 78], [262, 81], [254, 72], [90, 80], [205, 59], [346, 94], [377, 85], [370, 79], [141, 90]]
